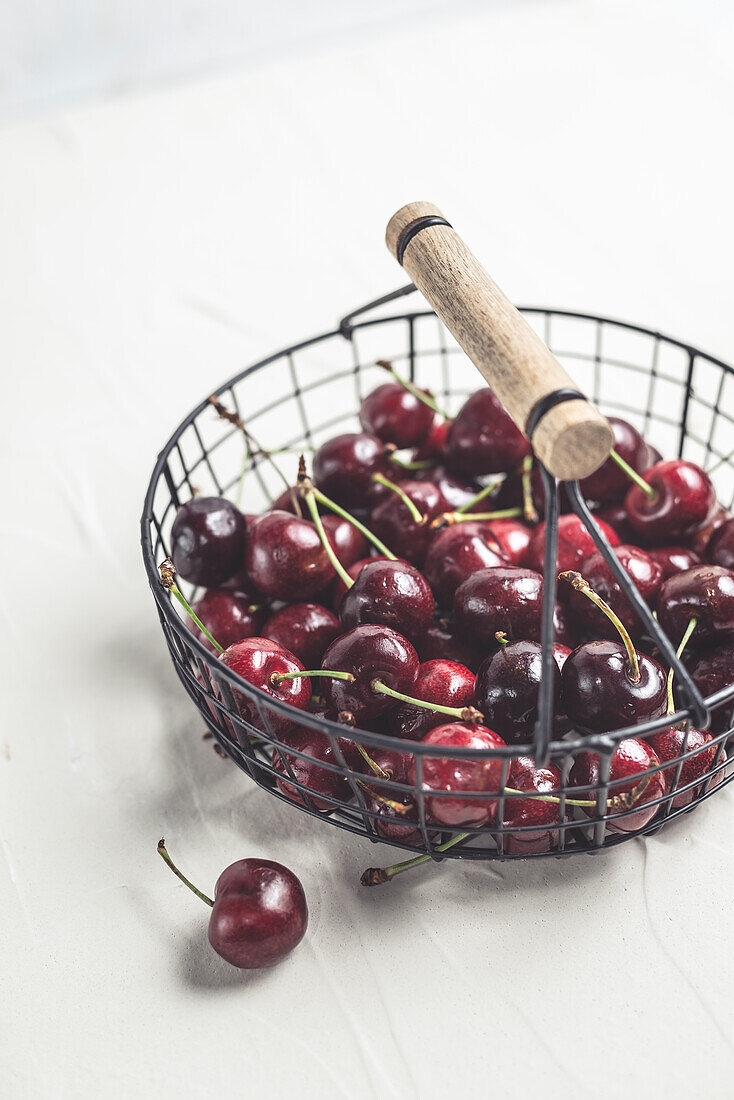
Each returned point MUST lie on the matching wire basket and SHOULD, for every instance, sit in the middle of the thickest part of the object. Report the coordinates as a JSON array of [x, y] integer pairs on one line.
[[297, 398]]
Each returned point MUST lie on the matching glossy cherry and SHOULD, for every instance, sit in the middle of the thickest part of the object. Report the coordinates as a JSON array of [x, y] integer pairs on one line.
[[392, 522], [228, 616], [508, 683], [644, 573], [447, 683], [669, 744], [705, 593], [521, 813], [712, 671], [683, 500], [610, 483], [395, 415], [674, 559], [343, 467], [454, 554], [600, 692], [392, 823], [338, 587], [513, 538], [208, 540], [306, 629], [370, 653], [720, 547], [466, 776], [260, 661], [434, 444], [285, 557], [575, 544], [323, 783], [390, 593], [505, 599], [631, 783], [483, 438], [699, 541]]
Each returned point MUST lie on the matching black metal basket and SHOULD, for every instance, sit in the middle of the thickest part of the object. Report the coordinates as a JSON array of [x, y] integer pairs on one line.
[[674, 393]]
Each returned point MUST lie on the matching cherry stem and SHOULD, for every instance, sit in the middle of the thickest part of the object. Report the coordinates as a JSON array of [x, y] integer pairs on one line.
[[581, 585], [339, 569], [375, 876], [632, 474], [415, 463], [679, 653], [278, 677], [479, 497], [529, 511], [370, 762], [308, 487], [502, 638], [411, 388], [415, 514], [168, 572], [167, 859], [448, 518], [401, 808], [464, 714]]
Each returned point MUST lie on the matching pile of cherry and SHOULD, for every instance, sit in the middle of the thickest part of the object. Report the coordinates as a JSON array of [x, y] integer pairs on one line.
[[398, 588]]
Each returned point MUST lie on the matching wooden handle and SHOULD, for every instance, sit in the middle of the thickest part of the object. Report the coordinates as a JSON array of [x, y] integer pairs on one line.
[[568, 434]]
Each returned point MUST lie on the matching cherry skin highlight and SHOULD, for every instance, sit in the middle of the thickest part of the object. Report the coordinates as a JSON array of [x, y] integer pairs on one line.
[[466, 776], [285, 557], [711, 672], [674, 559], [208, 540], [259, 914], [391, 521], [705, 593], [305, 629], [323, 783], [610, 483]]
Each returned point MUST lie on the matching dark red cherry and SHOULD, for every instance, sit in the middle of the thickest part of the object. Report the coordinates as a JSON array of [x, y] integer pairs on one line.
[[705, 593], [338, 587], [720, 547], [390, 593], [396, 416], [208, 540], [285, 557], [575, 544], [393, 523], [505, 598], [348, 543], [713, 671], [610, 483], [565, 627], [456, 491], [629, 773], [453, 555], [369, 653], [258, 660], [699, 540], [673, 559], [226, 614], [544, 817], [306, 629], [599, 692], [644, 573], [392, 824], [615, 516], [447, 683], [324, 784], [441, 640], [444, 774], [483, 439], [668, 745], [508, 683], [683, 502], [259, 913], [513, 538], [434, 445], [343, 467]]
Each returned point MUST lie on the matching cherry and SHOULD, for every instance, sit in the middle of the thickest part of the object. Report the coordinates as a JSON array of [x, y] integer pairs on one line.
[[391, 593], [208, 540], [508, 683], [711, 672], [669, 744], [323, 783], [453, 555], [682, 501], [674, 559], [720, 547], [343, 466], [565, 627], [393, 522], [338, 587], [285, 557], [506, 599], [704, 593], [228, 615], [634, 786], [483, 439], [610, 482], [259, 913], [398, 815], [260, 661], [615, 516], [305, 629], [699, 540], [349, 544], [653, 456], [395, 415], [645, 574], [457, 492], [513, 538], [449, 775], [525, 812], [441, 640], [370, 653], [575, 544], [447, 683], [434, 444]]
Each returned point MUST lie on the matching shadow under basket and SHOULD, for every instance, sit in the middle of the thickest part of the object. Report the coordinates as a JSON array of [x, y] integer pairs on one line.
[[294, 400]]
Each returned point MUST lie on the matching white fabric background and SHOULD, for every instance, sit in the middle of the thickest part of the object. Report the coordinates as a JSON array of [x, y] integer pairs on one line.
[[150, 247]]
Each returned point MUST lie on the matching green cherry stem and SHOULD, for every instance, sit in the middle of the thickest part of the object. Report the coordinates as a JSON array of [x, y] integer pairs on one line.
[[485, 492], [415, 513], [310, 499], [375, 876], [447, 518], [529, 511], [168, 572], [426, 398], [632, 474], [279, 677], [582, 585], [414, 464], [502, 638], [308, 487], [679, 653], [167, 859], [464, 714]]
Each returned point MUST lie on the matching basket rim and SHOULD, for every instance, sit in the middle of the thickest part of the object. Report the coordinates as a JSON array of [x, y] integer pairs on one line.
[[604, 743]]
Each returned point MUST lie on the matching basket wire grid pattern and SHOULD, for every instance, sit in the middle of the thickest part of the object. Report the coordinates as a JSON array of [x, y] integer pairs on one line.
[[674, 393]]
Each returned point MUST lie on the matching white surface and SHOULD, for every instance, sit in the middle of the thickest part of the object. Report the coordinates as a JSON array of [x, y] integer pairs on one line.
[[151, 247]]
